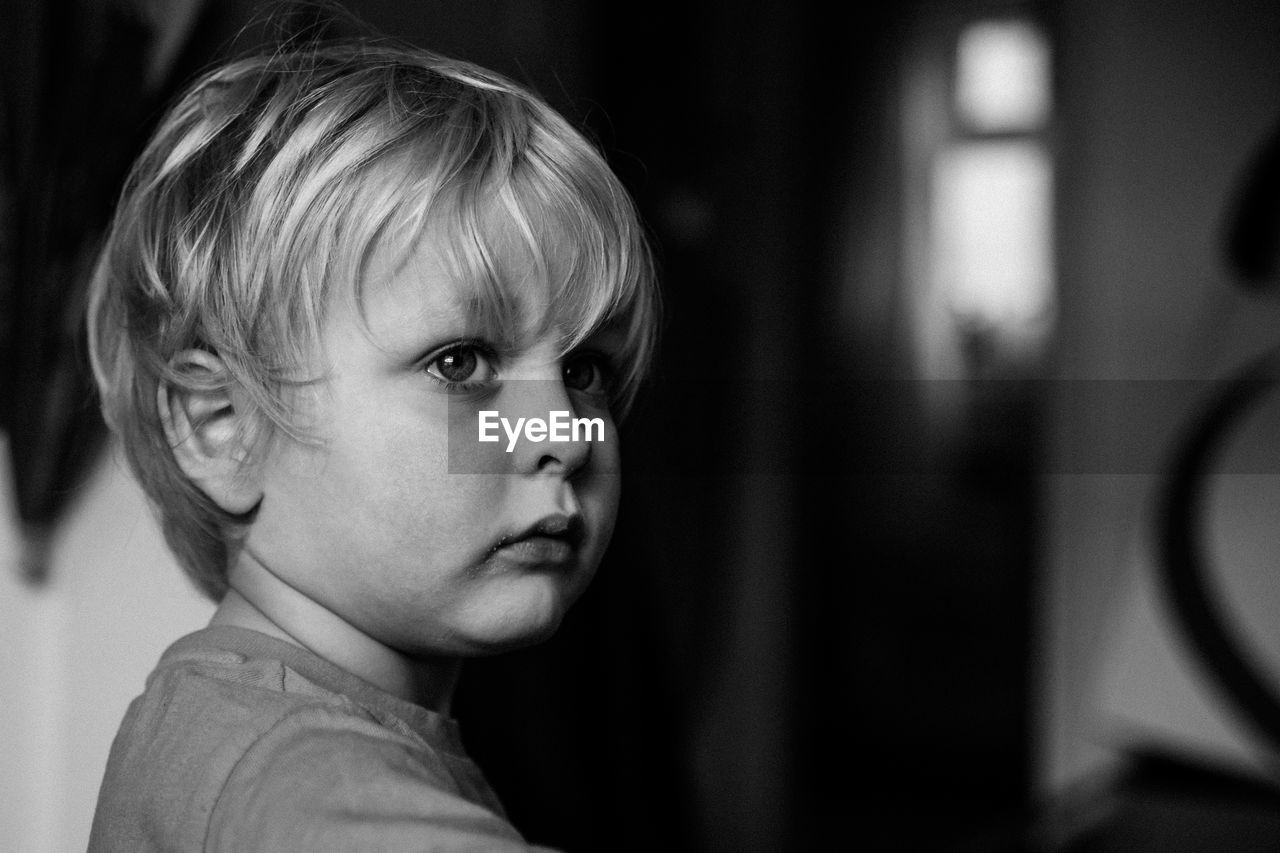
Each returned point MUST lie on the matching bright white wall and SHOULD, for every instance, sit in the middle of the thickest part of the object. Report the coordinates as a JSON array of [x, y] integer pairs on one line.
[[77, 650]]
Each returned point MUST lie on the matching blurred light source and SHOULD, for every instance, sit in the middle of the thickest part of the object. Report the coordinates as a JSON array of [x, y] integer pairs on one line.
[[1002, 76], [992, 238]]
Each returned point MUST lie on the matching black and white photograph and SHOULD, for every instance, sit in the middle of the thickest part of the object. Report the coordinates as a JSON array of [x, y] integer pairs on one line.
[[564, 425]]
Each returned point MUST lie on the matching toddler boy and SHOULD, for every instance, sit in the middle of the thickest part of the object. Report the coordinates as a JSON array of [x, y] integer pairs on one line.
[[325, 265]]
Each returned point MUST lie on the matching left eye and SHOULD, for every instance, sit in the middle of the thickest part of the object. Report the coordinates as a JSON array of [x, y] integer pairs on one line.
[[461, 364], [587, 372]]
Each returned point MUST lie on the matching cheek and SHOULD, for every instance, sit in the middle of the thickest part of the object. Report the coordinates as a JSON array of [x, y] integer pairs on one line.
[[385, 479], [426, 511]]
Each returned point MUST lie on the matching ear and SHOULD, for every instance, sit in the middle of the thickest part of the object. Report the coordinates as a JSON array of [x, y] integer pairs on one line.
[[206, 432]]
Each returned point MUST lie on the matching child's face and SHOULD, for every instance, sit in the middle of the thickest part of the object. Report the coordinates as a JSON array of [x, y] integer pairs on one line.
[[370, 522]]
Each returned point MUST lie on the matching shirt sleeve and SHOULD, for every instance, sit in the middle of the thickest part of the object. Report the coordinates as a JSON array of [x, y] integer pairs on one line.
[[324, 782]]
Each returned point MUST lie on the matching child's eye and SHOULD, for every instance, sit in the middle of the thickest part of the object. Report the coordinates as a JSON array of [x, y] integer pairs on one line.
[[461, 365], [588, 372]]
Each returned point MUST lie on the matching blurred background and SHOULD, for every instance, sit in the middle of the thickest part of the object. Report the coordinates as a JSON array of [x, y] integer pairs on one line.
[[947, 284]]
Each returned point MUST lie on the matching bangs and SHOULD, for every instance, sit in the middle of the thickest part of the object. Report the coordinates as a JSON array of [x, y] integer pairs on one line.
[[554, 225]]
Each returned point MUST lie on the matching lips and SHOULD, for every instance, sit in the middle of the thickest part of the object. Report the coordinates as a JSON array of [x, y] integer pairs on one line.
[[552, 540]]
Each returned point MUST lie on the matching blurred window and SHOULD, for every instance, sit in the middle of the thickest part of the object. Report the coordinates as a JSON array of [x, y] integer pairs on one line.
[[1002, 76], [980, 197]]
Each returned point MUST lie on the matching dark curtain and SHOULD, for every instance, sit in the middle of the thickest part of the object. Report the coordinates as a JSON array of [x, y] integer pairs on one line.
[[82, 83], [69, 119], [811, 631]]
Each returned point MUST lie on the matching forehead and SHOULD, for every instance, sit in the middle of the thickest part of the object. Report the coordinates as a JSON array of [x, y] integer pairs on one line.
[[416, 288], [512, 269], [499, 288]]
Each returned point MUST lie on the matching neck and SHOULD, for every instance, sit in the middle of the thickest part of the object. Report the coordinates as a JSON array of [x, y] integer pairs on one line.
[[261, 601]]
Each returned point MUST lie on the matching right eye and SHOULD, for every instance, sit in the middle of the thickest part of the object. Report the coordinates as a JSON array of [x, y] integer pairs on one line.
[[461, 366], [589, 372]]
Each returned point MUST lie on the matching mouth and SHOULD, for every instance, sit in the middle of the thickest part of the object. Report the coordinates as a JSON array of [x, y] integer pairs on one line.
[[551, 541]]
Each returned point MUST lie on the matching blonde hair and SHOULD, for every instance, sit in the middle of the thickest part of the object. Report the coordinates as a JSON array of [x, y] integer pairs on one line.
[[270, 183]]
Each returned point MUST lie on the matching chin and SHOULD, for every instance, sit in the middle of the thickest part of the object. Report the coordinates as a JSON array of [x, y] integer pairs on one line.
[[518, 622]]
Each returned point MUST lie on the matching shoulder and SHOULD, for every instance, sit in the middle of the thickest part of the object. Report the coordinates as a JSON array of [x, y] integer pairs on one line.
[[324, 779], [233, 749], [177, 744]]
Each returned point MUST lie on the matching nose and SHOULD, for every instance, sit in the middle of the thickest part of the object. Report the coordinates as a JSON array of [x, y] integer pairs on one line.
[[564, 447]]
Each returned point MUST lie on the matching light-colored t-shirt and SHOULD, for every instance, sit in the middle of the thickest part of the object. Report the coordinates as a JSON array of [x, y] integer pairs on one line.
[[243, 742]]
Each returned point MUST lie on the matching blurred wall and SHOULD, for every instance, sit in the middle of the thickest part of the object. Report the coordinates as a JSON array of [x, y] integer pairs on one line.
[[1162, 106], [76, 651]]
